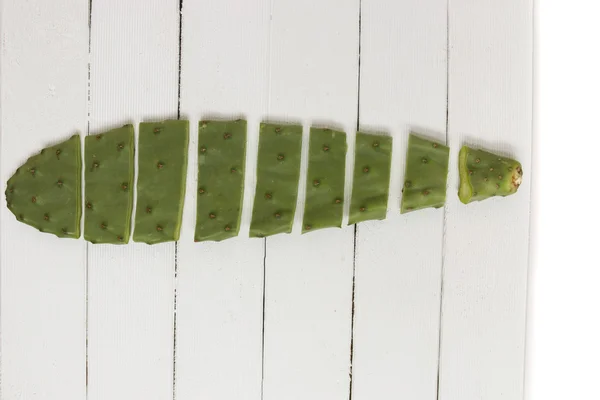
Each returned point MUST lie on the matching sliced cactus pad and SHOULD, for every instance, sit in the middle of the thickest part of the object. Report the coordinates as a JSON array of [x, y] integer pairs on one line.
[[109, 168], [425, 176], [221, 162], [484, 174], [162, 163], [45, 192], [370, 187], [324, 207], [277, 175]]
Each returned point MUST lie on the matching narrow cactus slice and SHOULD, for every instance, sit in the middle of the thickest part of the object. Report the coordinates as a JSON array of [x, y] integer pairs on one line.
[[45, 192], [324, 207], [278, 172], [370, 188], [425, 176], [162, 164], [484, 174], [221, 162], [109, 168]]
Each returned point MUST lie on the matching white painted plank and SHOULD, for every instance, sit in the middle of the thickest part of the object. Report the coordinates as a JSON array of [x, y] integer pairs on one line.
[[134, 77], [314, 79], [220, 285], [43, 70], [486, 243], [398, 261]]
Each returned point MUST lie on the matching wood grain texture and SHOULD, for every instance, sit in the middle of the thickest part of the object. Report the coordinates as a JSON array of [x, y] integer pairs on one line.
[[308, 286], [398, 261], [220, 285], [43, 67], [134, 77], [486, 243]]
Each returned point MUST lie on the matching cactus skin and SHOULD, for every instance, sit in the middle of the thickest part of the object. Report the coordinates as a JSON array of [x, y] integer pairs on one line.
[[484, 174], [45, 192], [221, 163], [370, 187], [109, 169], [425, 176], [277, 175], [162, 163], [324, 206]]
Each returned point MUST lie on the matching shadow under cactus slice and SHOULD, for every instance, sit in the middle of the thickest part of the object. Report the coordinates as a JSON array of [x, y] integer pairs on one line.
[[221, 162], [277, 175], [425, 176], [162, 161], [109, 169], [45, 192], [484, 174], [370, 187], [324, 206]]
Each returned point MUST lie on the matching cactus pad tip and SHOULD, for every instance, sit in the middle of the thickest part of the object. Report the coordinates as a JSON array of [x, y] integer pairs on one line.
[[48, 197], [484, 174]]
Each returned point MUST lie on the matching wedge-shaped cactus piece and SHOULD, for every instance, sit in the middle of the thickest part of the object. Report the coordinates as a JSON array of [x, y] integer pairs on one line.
[[162, 163], [45, 192], [370, 187], [324, 206], [221, 162], [425, 175], [109, 168], [484, 174], [277, 175]]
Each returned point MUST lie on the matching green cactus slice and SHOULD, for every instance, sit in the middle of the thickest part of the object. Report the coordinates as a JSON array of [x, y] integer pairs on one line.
[[324, 206], [484, 174], [277, 175], [162, 163], [109, 168], [221, 162], [45, 192], [425, 176], [370, 187]]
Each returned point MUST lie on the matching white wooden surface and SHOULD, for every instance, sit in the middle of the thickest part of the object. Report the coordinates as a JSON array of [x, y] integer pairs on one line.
[[43, 88], [399, 260], [486, 244], [131, 288], [308, 286], [225, 68], [271, 319]]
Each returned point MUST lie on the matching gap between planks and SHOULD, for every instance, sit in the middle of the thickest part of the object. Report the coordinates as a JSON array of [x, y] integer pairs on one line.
[[445, 209]]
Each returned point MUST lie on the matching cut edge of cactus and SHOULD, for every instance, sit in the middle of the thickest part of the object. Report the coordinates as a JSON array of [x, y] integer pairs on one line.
[[465, 190], [183, 187], [79, 190]]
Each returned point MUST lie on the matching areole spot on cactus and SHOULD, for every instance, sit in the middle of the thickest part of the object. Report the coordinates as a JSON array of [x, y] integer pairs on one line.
[[478, 186], [330, 166], [220, 186], [37, 200], [424, 182], [107, 187], [370, 190], [278, 177], [162, 163]]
